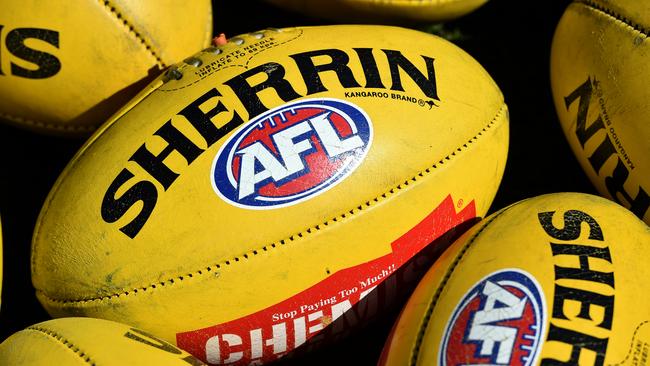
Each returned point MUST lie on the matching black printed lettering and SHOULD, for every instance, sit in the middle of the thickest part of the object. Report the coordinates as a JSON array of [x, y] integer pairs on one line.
[[398, 62], [155, 164], [311, 72], [114, 208], [248, 94], [47, 65], [574, 334], [370, 69]]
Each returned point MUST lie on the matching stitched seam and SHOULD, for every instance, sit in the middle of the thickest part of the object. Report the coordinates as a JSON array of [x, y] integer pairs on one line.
[[55, 188], [245, 65], [611, 14], [292, 238], [629, 352], [434, 300], [113, 10], [29, 122], [65, 342]]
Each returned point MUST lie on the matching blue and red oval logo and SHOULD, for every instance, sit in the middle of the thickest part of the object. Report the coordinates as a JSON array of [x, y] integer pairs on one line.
[[500, 321], [291, 153]]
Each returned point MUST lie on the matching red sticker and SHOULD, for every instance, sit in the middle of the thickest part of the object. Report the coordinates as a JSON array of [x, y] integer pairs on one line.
[[333, 304]]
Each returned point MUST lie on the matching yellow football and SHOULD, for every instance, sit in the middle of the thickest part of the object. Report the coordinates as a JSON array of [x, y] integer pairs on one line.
[[556, 279], [88, 341], [256, 193], [600, 78], [382, 10], [65, 67]]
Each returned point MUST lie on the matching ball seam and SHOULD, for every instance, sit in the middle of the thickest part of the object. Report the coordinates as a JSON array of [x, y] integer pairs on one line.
[[118, 15], [629, 352], [113, 10], [415, 353], [64, 341], [291, 238], [216, 57], [612, 14]]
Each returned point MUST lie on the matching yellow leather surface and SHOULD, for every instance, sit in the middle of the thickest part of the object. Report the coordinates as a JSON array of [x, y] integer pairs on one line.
[[600, 91], [516, 239], [106, 52], [200, 261], [88, 341]]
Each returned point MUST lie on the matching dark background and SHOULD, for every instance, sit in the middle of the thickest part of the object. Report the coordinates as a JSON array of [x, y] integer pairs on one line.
[[511, 39]]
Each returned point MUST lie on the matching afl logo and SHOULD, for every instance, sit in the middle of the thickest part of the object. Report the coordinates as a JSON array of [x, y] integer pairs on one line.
[[291, 153], [500, 321]]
